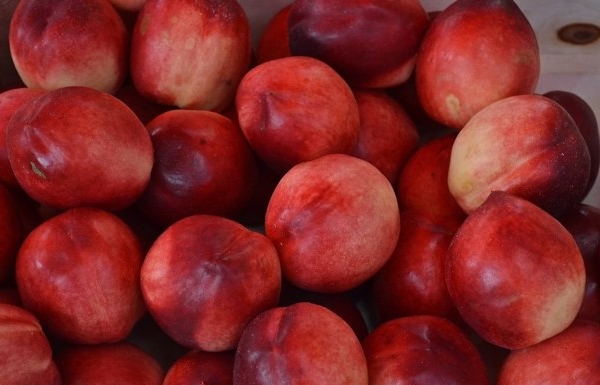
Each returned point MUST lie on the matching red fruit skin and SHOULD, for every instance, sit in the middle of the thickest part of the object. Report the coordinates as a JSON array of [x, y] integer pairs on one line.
[[474, 53], [540, 364], [387, 135], [69, 43], [423, 349], [585, 118], [190, 54], [422, 185], [205, 277], [334, 221], [371, 44], [583, 222], [342, 304], [111, 363], [274, 42], [515, 274], [25, 351], [412, 282], [274, 100], [202, 165], [545, 161], [66, 151], [198, 367], [10, 101], [303, 344], [79, 273]]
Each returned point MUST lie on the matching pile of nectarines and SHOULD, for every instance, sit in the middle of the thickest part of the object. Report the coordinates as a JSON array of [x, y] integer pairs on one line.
[[365, 194]]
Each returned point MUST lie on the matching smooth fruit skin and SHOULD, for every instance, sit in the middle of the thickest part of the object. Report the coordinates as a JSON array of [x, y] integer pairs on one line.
[[79, 273], [474, 53], [202, 165], [77, 146], [190, 54], [334, 221], [585, 118], [296, 109], [69, 43], [412, 282], [104, 364], [273, 42], [372, 44], [205, 277], [583, 222], [301, 344], [25, 351], [515, 274], [387, 135], [569, 358], [422, 185], [527, 145], [10, 101], [423, 349], [199, 367]]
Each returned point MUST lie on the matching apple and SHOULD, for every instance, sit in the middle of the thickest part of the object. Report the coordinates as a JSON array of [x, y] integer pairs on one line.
[[202, 165], [303, 343], [119, 362], [296, 109], [9, 77], [199, 367], [26, 355], [78, 146], [583, 115], [571, 357], [474, 53], [190, 54], [10, 101], [423, 349], [334, 221], [514, 272], [273, 42], [69, 43], [583, 222], [527, 145], [79, 274], [371, 44], [387, 135], [205, 277], [11, 229], [422, 185], [412, 282]]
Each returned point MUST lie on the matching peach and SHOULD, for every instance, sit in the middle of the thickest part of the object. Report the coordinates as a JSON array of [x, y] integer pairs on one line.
[[296, 109], [334, 221], [372, 44], [205, 277], [303, 343], [474, 53], [527, 145], [190, 54], [515, 274], [387, 135], [69, 43]]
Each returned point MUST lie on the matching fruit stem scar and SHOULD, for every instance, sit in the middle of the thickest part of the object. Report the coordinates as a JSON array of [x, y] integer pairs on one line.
[[37, 171]]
